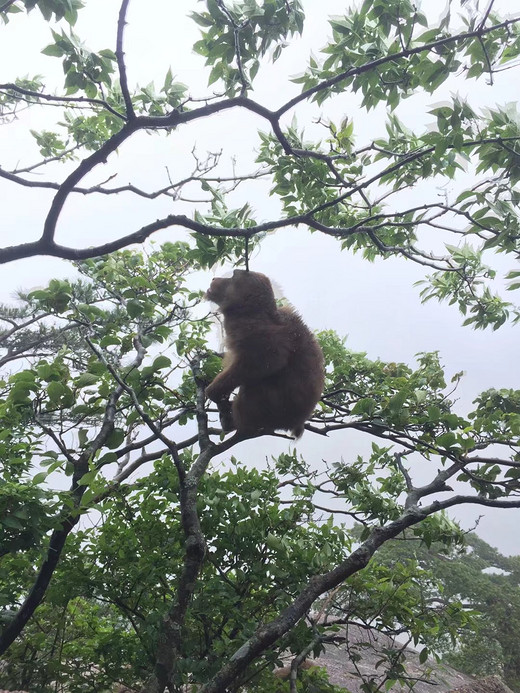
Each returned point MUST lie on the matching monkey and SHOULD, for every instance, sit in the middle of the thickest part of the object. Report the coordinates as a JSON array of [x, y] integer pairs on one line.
[[271, 356]]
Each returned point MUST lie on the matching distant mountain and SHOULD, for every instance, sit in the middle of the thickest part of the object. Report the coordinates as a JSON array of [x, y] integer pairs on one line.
[[371, 647]]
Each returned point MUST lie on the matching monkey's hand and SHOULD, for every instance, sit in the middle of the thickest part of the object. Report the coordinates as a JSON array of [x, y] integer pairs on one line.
[[212, 392], [223, 385]]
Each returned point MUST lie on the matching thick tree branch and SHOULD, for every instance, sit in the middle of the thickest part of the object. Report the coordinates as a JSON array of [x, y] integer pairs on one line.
[[473, 500], [47, 245], [42, 247], [172, 628], [269, 633], [84, 167]]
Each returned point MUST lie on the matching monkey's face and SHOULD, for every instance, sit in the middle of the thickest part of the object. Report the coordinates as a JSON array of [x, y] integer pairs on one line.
[[217, 289], [244, 289]]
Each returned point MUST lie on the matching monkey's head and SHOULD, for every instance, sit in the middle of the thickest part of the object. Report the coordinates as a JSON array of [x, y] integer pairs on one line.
[[244, 292]]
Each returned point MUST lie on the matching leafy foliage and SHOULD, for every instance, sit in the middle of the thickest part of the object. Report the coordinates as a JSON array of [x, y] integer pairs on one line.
[[235, 36], [104, 382]]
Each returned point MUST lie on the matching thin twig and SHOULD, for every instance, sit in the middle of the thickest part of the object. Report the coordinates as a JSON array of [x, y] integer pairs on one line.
[[236, 38], [7, 5], [10, 86], [486, 14]]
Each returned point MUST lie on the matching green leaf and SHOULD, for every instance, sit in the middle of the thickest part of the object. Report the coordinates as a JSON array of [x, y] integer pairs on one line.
[[161, 362], [397, 401], [39, 478], [56, 390], [447, 440], [367, 405], [87, 478], [134, 309], [115, 439], [86, 379], [107, 458], [53, 50]]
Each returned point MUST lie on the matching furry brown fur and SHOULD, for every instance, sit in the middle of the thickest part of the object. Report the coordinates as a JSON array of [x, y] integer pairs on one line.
[[272, 357]]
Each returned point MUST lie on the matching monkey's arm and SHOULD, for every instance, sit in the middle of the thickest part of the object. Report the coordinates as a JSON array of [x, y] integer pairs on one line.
[[257, 351], [223, 385], [245, 369]]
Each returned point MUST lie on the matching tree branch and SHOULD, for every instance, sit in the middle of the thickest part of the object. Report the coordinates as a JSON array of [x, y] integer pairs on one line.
[[120, 56], [11, 86], [473, 500], [7, 5], [406, 53], [59, 536], [46, 244], [267, 634]]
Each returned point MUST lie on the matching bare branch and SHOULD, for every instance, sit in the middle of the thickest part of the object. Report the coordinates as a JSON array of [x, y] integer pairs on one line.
[[486, 14], [472, 500], [123, 81], [171, 190]]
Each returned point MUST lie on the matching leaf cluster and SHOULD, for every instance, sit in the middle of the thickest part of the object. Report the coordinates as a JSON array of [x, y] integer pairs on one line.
[[235, 36], [50, 9]]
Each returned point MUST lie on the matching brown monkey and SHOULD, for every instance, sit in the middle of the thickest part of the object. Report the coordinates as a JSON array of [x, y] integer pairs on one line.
[[271, 356]]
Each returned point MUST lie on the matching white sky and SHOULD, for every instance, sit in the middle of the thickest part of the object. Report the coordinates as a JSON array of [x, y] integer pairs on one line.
[[374, 304]]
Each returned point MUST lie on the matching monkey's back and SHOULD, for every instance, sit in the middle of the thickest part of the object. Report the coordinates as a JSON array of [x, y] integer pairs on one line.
[[285, 399]]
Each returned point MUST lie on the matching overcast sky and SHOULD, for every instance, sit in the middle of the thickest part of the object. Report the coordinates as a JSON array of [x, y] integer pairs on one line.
[[374, 304]]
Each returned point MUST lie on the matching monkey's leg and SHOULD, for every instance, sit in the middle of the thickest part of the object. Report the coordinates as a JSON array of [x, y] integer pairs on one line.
[[250, 408], [226, 415]]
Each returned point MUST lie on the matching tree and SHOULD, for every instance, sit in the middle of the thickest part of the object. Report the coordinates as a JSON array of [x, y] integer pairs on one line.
[[188, 564], [197, 576], [486, 582], [384, 52]]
